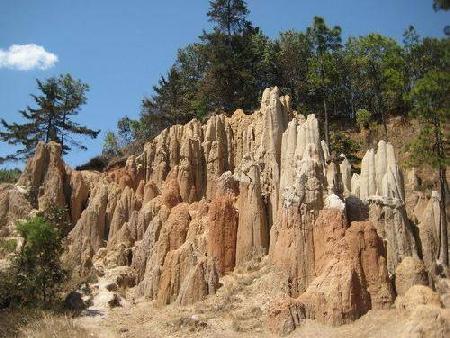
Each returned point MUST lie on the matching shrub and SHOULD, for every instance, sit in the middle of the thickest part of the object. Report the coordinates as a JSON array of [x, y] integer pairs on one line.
[[7, 245], [342, 144], [58, 218], [363, 117], [98, 163], [36, 273], [7, 288], [111, 145], [9, 175]]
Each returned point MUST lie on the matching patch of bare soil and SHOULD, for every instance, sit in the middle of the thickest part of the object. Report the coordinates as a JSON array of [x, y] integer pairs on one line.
[[238, 309]]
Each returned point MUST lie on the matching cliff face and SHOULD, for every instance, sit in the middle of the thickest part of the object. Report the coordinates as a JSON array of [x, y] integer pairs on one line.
[[202, 200]]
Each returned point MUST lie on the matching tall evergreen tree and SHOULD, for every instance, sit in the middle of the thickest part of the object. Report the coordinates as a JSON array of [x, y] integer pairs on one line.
[[431, 105], [292, 60], [229, 16], [228, 50], [324, 42], [51, 119], [377, 73]]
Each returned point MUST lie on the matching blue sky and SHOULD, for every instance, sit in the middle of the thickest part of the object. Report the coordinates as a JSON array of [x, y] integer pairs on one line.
[[121, 48]]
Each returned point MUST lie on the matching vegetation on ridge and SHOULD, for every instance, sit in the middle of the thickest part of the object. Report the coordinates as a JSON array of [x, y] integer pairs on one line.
[[232, 64], [9, 175]]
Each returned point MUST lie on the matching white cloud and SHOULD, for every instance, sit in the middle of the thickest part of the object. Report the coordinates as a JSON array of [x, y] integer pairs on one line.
[[27, 57]]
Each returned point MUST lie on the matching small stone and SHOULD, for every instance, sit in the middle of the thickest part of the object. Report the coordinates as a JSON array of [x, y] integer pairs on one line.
[[115, 301], [111, 287]]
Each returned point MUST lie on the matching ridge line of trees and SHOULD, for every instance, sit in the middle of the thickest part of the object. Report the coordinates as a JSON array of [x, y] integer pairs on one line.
[[231, 65]]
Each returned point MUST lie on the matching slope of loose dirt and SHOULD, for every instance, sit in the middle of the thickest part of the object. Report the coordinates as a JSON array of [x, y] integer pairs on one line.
[[238, 309]]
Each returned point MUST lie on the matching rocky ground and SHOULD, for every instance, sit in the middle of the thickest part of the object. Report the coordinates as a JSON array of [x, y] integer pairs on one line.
[[240, 308]]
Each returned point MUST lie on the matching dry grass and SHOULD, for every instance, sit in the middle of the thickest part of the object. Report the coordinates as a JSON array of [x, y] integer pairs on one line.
[[39, 324]]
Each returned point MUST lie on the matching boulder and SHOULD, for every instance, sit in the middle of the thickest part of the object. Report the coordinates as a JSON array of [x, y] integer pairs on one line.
[[285, 314], [415, 296], [411, 271], [74, 302]]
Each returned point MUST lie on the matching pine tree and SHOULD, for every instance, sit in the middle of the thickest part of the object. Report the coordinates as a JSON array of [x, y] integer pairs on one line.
[[228, 49], [229, 16], [431, 104], [441, 5], [324, 41], [51, 119]]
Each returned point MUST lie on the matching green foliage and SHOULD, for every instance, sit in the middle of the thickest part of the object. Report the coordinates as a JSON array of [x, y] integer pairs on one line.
[[229, 16], [234, 62], [35, 273], [9, 175], [7, 245], [431, 104], [340, 143], [52, 119], [294, 49], [377, 74], [200, 107], [59, 218], [111, 145], [363, 118], [127, 131]]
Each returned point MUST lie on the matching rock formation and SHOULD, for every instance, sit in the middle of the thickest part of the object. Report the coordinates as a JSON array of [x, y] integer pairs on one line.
[[205, 199], [380, 186]]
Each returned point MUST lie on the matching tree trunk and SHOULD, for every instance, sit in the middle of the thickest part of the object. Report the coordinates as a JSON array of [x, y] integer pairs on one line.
[[325, 115], [49, 127], [325, 112], [443, 252], [383, 118], [443, 242], [62, 134]]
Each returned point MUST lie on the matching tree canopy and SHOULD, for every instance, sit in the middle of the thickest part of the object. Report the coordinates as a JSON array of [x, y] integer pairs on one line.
[[231, 64], [52, 119]]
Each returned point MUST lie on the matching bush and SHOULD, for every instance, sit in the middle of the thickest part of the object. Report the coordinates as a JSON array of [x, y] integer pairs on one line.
[[9, 175], [111, 145], [35, 274], [7, 288], [342, 144], [59, 218], [363, 117], [7, 246], [98, 163]]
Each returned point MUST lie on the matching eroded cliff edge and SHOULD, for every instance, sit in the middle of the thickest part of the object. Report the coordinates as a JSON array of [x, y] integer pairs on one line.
[[205, 199]]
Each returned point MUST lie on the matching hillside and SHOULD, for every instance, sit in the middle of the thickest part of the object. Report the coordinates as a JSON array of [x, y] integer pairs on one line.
[[245, 226]]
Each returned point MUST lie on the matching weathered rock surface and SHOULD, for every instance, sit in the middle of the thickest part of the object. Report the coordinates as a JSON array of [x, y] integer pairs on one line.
[[222, 233], [285, 315], [205, 199], [392, 224], [13, 206], [45, 176], [351, 272], [411, 271]]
